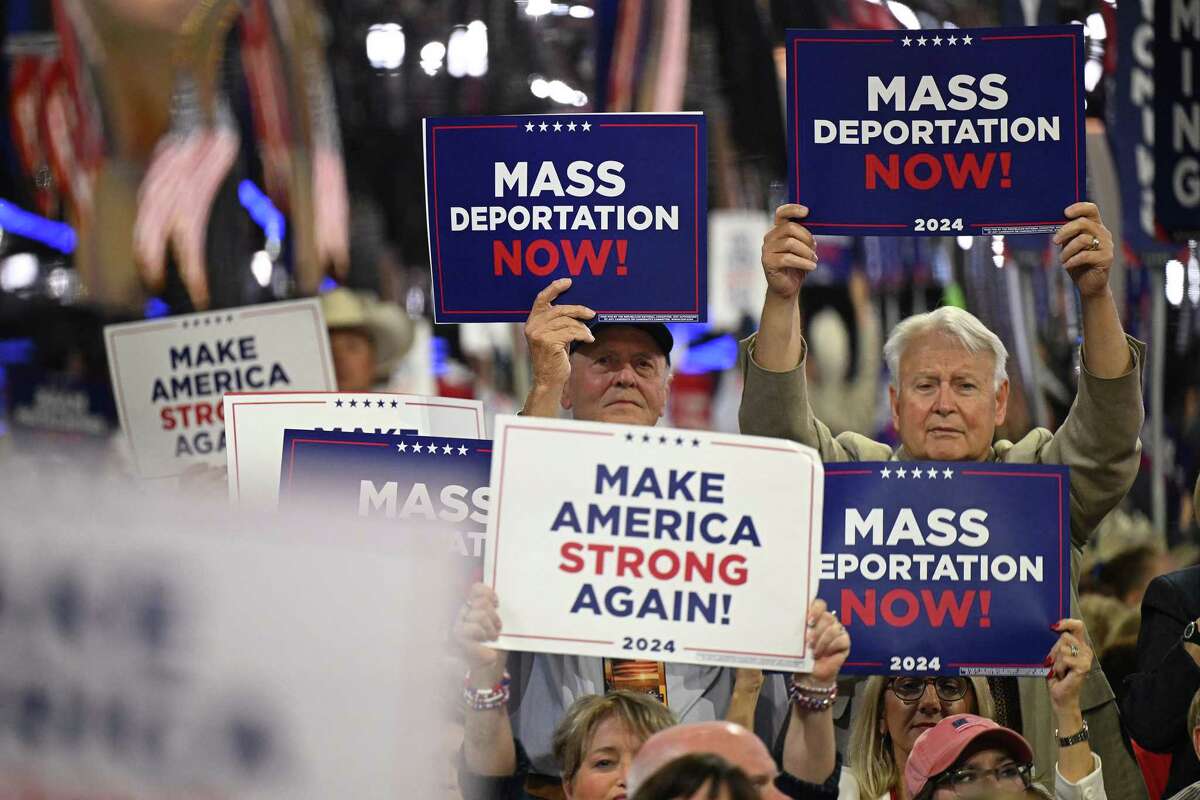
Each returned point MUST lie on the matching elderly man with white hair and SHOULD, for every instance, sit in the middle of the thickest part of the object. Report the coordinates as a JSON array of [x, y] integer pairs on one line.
[[949, 392]]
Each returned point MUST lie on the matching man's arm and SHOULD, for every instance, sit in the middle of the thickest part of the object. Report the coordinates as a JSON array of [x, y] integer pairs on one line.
[[1156, 701], [1099, 438], [550, 331]]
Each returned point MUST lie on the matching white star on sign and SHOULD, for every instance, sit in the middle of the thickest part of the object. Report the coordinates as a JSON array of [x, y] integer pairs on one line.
[[921, 41], [570, 126], [947, 473], [901, 472], [416, 448], [557, 126], [447, 449], [462, 451], [937, 40], [402, 448], [542, 127], [431, 449], [885, 473], [953, 40], [907, 41], [966, 39], [916, 472], [528, 126], [587, 126], [931, 472]]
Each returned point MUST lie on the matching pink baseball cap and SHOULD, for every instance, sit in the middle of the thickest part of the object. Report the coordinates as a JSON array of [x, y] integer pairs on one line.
[[936, 750]]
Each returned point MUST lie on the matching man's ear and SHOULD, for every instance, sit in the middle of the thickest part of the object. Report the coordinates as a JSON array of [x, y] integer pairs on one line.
[[565, 399], [666, 395], [1002, 403], [894, 401]]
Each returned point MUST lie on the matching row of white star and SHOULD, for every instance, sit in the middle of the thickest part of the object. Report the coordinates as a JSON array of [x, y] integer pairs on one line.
[[916, 472], [558, 126], [937, 40], [431, 448]]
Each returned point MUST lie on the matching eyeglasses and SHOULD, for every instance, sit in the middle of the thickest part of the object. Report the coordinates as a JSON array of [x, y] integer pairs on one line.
[[973, 782], [909, 690]]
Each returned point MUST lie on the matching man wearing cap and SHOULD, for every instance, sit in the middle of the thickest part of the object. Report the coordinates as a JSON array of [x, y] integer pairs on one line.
[[618, 373]]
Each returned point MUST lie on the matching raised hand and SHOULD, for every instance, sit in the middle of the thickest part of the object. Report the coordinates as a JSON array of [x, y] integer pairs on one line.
[[1087, 248], [789, 252], [479, 622], [550, 330]]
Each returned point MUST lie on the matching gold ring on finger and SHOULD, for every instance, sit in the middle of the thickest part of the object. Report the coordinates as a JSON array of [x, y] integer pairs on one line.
[[1074, 651], [1095, 245]]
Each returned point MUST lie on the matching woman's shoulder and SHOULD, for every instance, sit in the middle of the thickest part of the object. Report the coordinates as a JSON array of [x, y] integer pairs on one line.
[[848, 788]]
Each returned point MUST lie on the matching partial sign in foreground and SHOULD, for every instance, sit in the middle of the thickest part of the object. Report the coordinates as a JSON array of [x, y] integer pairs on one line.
[[947, 568], [677, 545]]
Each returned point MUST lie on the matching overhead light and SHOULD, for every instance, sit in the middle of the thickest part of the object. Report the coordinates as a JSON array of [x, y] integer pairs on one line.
[[1093, 71], [262, 268], [385, 45], [18, 271], [539, 87], [1174, 287], [1095, 27], [431, 56], [965, 242], [581, 12], [58, 282], [904, 15], [467, 50], [538, 8], [998, 245], [1193, 278]]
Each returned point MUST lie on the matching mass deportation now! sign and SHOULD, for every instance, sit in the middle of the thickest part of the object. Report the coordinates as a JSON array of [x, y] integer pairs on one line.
[[936, 569], [973, 131], [617, 202]]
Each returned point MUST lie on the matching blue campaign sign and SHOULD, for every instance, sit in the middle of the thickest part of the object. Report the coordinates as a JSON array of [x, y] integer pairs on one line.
[[947, 568], [617, 202], [927, 132], [432, 484], [1177, 117]]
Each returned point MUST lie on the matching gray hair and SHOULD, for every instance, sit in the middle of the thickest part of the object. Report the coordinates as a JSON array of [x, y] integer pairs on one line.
[[952, 321]]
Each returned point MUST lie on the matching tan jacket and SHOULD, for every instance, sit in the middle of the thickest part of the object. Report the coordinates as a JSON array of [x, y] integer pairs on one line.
[[1098, 441]]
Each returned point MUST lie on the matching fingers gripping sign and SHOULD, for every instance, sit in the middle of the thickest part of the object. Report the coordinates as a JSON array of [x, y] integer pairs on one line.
[[478, 623], [789, 251], [1069, 661], [830, 643], [549, 332], [1087, 248]]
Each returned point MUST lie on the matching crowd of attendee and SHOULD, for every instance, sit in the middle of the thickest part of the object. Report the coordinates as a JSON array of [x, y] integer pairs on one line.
[[1116, 714]]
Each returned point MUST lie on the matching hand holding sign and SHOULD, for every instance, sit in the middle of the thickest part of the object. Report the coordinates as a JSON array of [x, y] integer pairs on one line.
[[479, 622], [1070, 660], [830, 645], [1087, 248], [550, 331], [789, 252]]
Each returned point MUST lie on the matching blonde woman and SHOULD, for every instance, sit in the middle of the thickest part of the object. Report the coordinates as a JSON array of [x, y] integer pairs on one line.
[[892, 712]]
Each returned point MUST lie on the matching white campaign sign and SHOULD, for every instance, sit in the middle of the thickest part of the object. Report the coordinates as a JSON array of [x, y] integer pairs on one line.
[[735, 276], [636, 542], [214, 657], [169, 375], [256, 423]]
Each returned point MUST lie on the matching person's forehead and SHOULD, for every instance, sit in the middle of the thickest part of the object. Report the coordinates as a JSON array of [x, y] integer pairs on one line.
[[941, 351], [612, 731]]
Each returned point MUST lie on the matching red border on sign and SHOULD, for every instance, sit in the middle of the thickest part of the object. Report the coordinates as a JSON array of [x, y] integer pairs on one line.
[[437, 255], [827, 40]]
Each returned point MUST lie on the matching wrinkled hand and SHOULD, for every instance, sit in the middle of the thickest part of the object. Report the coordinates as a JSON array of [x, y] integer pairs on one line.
[[1088, 268], [479, 622], [789, 252], [830, 643], [1068, 668], [550, 330]]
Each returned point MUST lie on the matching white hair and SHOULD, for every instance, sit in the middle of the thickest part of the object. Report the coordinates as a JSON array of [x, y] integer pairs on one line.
[[952, 321]]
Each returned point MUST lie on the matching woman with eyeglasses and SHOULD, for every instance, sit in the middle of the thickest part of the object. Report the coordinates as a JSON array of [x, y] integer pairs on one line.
[[932, 739]]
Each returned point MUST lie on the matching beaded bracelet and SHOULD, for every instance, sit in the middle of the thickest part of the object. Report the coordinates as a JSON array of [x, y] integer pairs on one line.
[[486, 699], [812, 698]]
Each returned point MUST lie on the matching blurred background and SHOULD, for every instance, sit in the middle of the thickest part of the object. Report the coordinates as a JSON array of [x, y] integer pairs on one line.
[[166, 155]]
